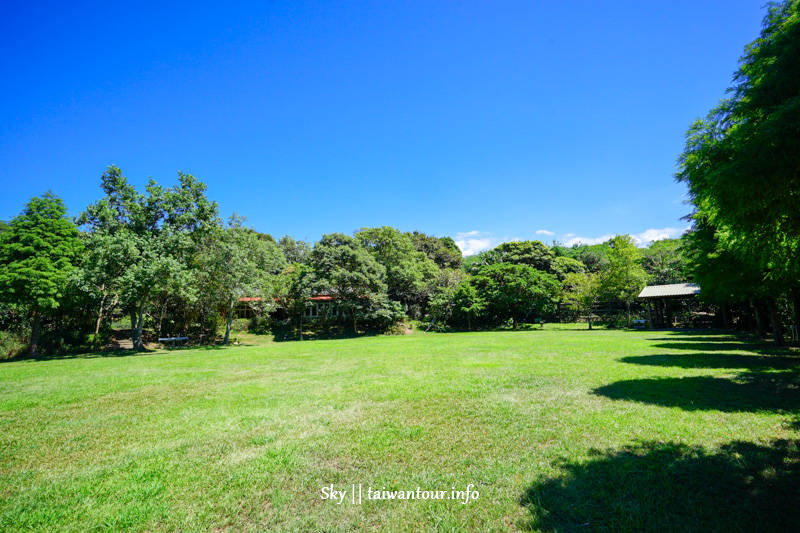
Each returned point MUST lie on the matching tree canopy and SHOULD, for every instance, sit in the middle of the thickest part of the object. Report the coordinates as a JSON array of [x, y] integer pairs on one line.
[[742, 167], [348, 272], [159, 229], [37, 254]]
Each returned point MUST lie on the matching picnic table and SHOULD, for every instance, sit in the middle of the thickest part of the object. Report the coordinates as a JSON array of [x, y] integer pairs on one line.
[[173, 340]]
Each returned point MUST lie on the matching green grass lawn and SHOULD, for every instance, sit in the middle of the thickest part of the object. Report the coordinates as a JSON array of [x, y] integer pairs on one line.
[[556, 429]]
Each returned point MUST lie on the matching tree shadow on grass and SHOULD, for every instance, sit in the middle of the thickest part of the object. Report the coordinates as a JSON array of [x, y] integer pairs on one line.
[[748, 392], [98, 354], [113, 353], [724, 345], [716, 360], [723, 341], [655, 486]]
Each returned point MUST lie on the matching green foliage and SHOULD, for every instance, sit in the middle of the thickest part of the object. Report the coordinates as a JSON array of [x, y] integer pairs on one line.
[[259, 325], [383, 314], [37, 255], [474, 263], [236, 262], [719, 270], [409, 273], [295, 251], [294, 290], [624, 278], [581, 292], [441, 250], [532, 253], [515, 292], [593, 256], [12, 345], [741, 162], [562, 266], [349, 272], [160, 232], [468, 303], [664, 262], [557, 260], [442, 299]]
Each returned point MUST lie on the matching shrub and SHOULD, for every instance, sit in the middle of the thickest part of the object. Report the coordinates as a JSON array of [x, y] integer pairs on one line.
[[260, 325], [11, 345]]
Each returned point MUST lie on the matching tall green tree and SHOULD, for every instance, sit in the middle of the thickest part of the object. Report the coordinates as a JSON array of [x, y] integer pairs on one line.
[[624, 277], [295, 251], [581, 292], [104, 263], [468, 303], [516, 292], [347, 271], [410, 274], [161, 229], [441, 250], [535, 254], [727, 277], [742, 162], [38, 252], [664, 262], [442, 300], [235, 263], [296, 287]]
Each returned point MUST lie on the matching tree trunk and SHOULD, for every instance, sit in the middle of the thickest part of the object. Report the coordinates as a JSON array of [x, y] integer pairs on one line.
[[777, 331], [433, 321], [649, 314], [589, 318], [726, 320], [628, 306], [37, 321], [759, 323], [133, 324], [99, 315], [355, 325], [751, 326], [137, 323], [162, 311], [795, 293], [301, 324], [228, 324], [469, 323]]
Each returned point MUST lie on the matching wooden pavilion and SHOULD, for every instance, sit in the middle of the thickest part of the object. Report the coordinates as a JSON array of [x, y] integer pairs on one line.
[[661, 301]]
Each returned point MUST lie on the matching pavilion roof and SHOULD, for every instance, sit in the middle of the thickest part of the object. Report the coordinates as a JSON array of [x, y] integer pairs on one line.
[[674, 290]]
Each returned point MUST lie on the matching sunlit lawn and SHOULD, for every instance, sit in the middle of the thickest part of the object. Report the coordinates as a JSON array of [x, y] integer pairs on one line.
[[556, 429]]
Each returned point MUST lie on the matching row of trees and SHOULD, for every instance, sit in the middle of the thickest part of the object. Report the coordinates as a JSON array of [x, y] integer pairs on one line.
[[163, 259], [519, 281], [742, 168]]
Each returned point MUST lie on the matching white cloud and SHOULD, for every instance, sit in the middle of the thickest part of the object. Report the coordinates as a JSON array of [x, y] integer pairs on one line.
[[642, 239], [650, 235], [586, 240], [473, 242]]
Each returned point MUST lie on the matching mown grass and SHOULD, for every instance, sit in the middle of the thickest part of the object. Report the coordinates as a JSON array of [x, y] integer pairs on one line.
[[558, 429]]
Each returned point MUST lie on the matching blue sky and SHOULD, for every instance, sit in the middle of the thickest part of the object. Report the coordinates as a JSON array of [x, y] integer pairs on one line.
[[484, 121]]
